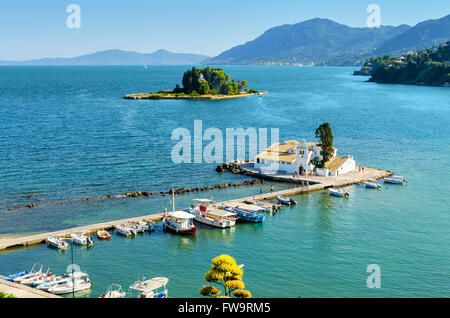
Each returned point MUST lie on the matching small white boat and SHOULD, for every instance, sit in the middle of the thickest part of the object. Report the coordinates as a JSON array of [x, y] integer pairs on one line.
[[41, 274], [395, 179], [125, 230], [114, 291], [81, 239], [79, 281], [372, 184], [338, 192], [52, 281], [35, 271], [152, 288], [58, 243]]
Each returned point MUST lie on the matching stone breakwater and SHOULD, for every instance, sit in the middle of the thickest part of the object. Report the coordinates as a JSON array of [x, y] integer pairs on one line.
[[138, 194]]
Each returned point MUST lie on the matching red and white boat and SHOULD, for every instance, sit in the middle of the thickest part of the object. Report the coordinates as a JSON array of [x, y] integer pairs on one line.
[[179, 222]]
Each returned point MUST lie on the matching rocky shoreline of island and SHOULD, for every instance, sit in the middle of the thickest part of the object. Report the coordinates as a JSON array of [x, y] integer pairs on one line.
[[172, 95]]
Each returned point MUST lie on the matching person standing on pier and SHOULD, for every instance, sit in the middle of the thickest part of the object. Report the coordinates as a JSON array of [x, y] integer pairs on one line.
[[271, 188]]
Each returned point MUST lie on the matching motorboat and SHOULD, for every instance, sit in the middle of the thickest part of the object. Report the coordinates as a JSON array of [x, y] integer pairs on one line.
[[179, 222], [81, 239], [286, 201], [103, 235], [114, 291], [125, 230], [152, 288], [145, 225], [372, 184], [205, 212], [395, 179], [52, 281], [338, 192], [36, 271], [57, 242], [77, 282], [11, 277], [42, 274], [245, 212], [136, 227]]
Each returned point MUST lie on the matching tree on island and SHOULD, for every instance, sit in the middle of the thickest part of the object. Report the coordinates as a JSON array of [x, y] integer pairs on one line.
[[209, 81], [324, 133], [225, 272]]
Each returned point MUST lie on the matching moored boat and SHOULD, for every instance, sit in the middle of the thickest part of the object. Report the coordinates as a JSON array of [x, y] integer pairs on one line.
[[77, 282], [81, 239], [35, 271], [43, 273], [125, 230], [395, 180], [114, 291], [51, 281], [244, 213], [179, 222], [11, 277], [103, 235], [338, 192], [286, 201], [58, 243], [152, 288], [372, 184], [204, 212]]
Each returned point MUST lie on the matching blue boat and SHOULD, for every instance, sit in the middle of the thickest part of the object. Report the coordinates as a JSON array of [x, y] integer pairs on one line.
[[245, 215], [12, 276]]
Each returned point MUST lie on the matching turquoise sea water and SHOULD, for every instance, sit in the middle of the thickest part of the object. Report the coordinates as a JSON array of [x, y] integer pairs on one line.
[[66, 132]]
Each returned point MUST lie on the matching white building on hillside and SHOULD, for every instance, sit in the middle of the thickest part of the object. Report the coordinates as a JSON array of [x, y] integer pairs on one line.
[[301, 157]]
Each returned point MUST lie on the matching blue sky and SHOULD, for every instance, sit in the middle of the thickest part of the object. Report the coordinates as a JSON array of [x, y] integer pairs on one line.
[[37, 28]]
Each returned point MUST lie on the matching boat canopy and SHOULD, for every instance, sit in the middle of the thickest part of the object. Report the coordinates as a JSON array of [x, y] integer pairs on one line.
[[150, 284], [181, 215], [78, 274], [203, 200], [220, 213]]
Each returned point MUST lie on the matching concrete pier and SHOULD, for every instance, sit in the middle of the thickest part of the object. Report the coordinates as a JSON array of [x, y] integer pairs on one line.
[[22, 291], [315, 184]]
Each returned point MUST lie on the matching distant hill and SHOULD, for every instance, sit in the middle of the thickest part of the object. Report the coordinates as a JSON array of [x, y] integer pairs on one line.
[[118, 57], [423, 35], [325, 42]]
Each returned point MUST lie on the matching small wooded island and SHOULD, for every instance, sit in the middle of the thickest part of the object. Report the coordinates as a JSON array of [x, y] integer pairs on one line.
[[206, 83], [424, 67]]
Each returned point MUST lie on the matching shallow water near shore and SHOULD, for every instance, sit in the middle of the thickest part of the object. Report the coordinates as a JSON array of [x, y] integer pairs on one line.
[[66, 132]]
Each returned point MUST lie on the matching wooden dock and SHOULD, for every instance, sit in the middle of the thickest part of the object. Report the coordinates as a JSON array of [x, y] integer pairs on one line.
[[316, 184]]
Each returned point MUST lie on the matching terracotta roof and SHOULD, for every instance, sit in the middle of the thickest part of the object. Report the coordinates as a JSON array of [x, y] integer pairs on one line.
[[335, 163], [280, 152]]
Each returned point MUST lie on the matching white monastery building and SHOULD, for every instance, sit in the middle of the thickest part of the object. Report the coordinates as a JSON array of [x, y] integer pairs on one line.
[[301, 157]]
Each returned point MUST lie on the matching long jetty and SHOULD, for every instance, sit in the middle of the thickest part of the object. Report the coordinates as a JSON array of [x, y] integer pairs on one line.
[[314, 184]]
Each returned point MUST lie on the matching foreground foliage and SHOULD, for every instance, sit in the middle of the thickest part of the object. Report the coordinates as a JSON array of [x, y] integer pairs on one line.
[[225, 272]]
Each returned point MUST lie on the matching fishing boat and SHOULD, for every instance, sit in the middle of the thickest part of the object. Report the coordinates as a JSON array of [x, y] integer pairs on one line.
[[395, 180], [103, 235], [81, 239], [11, 277], [58, 243], [205, 212], [152, 288], [35, 271], [42, 274], [179, 222], [114, 291], [125, 230], [245, 213], [372, 184], [338, 192], [77, 282], [286, 201]]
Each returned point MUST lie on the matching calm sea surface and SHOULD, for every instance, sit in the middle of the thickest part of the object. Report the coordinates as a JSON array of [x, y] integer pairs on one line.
[[66, 133]]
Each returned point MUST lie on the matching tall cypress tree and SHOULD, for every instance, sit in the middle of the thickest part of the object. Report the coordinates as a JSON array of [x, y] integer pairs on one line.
[[324, 133]]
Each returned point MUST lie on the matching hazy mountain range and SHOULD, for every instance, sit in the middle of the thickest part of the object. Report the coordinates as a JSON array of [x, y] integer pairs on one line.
[[118, 57], [312, 42], [322, 41]]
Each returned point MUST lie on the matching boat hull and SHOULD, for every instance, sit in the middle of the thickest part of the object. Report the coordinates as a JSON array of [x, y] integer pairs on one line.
[[190, 231]]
